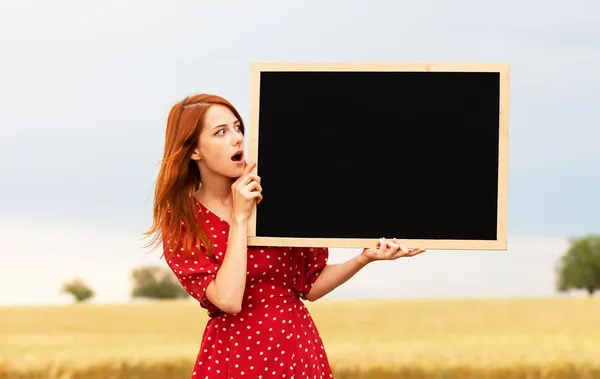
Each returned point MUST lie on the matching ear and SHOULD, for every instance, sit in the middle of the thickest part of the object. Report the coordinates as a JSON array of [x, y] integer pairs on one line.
[[196, 155]]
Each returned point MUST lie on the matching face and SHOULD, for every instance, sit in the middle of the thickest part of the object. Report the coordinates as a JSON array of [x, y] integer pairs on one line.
[[221, 143]]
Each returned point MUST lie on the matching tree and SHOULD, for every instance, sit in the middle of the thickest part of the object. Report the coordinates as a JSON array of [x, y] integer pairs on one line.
[[579, 268], [156, 283], [78, 289]]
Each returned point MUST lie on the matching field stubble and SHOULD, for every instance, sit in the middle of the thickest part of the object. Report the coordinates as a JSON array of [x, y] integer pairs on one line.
[[495, 338]]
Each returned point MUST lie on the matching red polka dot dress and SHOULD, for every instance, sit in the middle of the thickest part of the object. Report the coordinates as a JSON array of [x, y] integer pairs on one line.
[[274, 335]]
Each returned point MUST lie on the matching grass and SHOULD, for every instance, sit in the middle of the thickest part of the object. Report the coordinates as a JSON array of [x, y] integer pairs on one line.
[[532, 338]]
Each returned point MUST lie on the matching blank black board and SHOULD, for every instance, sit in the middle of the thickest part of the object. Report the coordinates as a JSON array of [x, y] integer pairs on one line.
[[348, 153]]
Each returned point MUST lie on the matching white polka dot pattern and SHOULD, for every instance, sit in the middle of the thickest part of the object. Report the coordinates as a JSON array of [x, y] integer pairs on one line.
[[274, 335]]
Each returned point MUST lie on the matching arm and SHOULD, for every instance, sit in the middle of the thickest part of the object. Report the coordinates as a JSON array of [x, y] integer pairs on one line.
[[334, 275], [226, 291]]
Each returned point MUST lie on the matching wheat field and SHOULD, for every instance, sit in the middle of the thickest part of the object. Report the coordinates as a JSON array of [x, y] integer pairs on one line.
[[479, 338]]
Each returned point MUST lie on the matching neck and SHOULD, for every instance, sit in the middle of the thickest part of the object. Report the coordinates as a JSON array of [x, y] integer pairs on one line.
[[214, 189]]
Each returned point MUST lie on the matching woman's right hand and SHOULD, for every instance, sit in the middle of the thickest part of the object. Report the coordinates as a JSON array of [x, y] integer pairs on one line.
[[246, 190]]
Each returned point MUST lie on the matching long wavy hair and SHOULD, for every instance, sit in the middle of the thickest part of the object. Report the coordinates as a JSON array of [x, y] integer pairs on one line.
[[174, 212]]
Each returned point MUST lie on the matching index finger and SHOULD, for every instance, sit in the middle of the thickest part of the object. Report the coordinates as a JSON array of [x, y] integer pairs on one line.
[[248, 167]]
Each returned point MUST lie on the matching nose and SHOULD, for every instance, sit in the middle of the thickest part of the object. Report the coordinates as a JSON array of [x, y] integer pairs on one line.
[[239, 138]]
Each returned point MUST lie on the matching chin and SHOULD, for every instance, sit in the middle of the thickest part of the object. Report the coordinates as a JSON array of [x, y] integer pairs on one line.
[[231, 171], [235, 173]]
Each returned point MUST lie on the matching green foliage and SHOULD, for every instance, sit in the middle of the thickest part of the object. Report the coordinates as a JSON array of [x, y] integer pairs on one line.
[[78, 289], [153, 282], [579, 268]]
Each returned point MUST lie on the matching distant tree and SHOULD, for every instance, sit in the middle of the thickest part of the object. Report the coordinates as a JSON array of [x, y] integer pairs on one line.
[[579, 268], [78, 289], [153, 282]]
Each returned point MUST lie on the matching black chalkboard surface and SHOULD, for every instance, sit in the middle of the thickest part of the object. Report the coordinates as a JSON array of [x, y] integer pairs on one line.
[[351, 152]]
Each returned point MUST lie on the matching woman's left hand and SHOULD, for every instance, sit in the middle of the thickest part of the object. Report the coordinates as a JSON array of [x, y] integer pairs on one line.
[[389, 250]]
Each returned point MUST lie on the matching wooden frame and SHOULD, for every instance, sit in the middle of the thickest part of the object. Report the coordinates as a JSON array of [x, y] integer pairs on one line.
[[502, 68]]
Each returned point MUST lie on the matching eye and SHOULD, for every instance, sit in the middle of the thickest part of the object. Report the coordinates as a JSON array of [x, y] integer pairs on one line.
[[220, 130], [239, 128]]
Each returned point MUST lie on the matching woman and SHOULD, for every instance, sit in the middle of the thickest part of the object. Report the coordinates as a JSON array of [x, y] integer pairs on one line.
[[258, 326]]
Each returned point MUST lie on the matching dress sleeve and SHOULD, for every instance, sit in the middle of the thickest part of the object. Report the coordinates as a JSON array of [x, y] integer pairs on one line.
[[195, 270], [312, 261]]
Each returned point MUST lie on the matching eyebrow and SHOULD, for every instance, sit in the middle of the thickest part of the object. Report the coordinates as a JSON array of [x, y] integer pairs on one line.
[[220, 126]]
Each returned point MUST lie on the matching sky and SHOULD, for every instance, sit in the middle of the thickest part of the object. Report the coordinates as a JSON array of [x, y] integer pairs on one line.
[[85, 89]]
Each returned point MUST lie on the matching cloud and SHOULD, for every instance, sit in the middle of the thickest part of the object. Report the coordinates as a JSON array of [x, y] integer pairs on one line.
[[86, 90], [525, 270], [37, 257]]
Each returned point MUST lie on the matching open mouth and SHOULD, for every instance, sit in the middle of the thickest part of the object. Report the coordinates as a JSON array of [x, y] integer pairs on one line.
[[238, 157]]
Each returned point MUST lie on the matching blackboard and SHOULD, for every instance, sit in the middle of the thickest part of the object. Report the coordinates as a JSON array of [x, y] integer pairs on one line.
[[351, 152]]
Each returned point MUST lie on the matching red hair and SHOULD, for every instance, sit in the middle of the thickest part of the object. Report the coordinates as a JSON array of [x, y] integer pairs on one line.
[[174, 213]]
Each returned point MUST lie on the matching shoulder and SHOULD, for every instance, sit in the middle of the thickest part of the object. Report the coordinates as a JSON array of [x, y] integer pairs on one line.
[[312, 253], [316, 250]]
